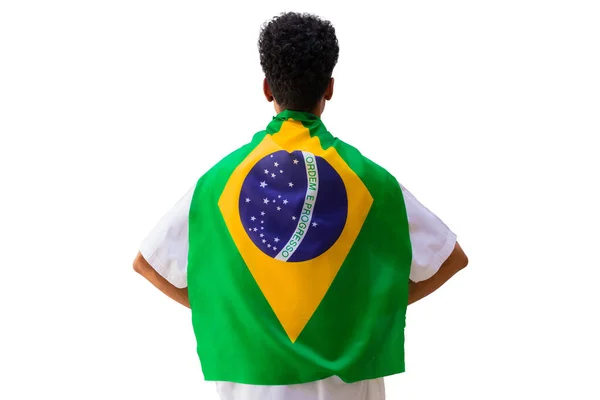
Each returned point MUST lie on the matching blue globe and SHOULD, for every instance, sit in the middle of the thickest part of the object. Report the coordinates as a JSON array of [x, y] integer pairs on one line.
[[293, 206]]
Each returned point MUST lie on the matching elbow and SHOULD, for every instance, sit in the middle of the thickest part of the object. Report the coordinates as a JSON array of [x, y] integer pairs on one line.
[[461, 260], [138, 264], [465, 261]]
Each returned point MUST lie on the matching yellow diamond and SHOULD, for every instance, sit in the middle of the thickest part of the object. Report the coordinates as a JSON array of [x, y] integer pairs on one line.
[[294, 290]]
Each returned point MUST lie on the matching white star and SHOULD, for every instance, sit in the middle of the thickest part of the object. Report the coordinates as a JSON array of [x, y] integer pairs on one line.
[[266, 171], [278, 208], [266, 201], [262, 222], [252, 219], [264, 241], [291, 184], [262, 235], [272, 175], [294, 218], [314, 224], [276, 164], [281, 171], [254, 229], [295, 161], [279, 196], [262, 227], [274, 248], [247, 199], [285, 201], [276, 240], [271, 155], [269, 245], [250, 229], [263, 184], [262, 213]]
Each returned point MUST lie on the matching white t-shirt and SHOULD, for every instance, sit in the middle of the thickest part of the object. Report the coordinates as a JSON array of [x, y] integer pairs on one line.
[[166, 250]]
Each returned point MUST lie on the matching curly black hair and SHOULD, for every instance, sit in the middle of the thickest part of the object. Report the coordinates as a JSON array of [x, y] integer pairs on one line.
[[298, 53]]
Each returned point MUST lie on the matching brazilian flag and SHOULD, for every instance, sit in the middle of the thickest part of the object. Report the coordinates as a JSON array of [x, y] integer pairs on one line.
[[299, 261]]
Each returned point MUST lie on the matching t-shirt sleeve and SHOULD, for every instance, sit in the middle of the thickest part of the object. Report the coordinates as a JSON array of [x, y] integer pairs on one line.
[[431, 240], [166, 247]]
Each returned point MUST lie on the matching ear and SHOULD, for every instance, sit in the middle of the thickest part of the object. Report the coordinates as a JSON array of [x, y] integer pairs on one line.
[[329, 90], [267, 91]]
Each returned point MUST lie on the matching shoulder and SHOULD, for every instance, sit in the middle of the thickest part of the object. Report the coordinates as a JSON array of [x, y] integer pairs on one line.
[[374, 176], [226, 165]]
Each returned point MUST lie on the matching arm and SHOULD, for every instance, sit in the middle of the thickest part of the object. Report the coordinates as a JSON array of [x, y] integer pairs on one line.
[[141, 266], [454, 263]]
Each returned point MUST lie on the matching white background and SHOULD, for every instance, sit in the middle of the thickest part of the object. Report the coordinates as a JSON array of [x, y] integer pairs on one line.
[[487, 111]]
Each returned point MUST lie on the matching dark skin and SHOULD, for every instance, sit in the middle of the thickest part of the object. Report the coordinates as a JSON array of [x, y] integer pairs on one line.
[[319, 107], [180, 295], [416, 290], [457, 261]]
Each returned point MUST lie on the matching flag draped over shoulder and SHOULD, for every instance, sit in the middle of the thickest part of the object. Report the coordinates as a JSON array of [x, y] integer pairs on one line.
[[299, 257]]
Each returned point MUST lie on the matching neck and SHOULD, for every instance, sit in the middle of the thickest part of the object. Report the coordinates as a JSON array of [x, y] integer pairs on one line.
[[318, 110]]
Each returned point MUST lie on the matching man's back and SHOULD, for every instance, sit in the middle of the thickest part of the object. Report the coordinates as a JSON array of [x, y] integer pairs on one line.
[[253, 351], [299, 261], [295, 252]]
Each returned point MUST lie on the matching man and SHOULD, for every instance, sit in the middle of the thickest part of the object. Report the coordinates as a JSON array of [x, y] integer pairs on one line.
[[297, 254]]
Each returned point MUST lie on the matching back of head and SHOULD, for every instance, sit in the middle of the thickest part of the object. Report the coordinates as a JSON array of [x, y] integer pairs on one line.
[[298, 53]]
